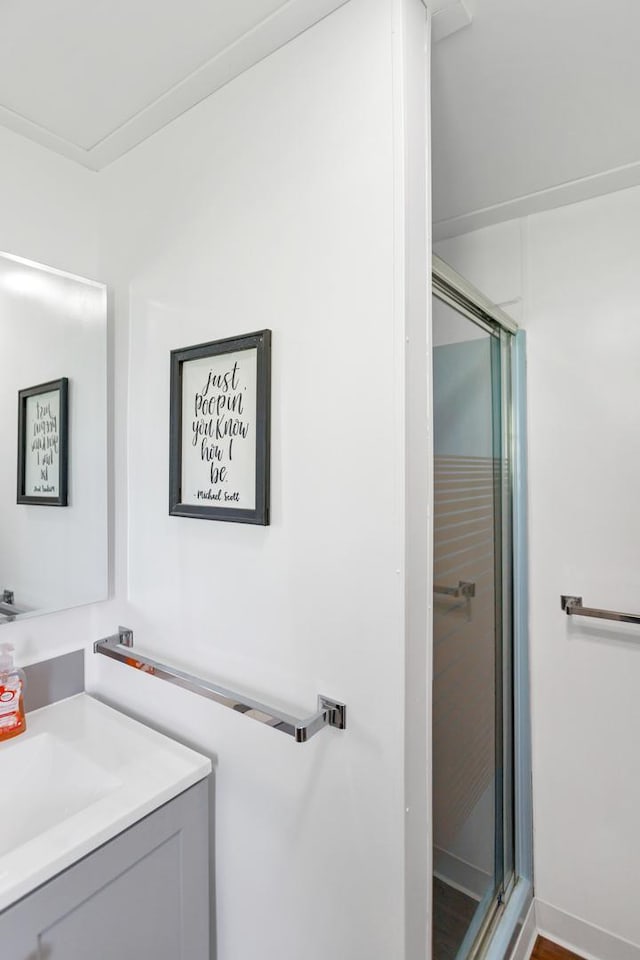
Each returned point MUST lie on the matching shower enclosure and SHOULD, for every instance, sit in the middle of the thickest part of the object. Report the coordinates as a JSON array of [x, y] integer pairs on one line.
[[474, 789]]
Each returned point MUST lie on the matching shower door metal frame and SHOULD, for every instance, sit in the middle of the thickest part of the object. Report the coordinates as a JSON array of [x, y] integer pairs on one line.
[[494, 939]]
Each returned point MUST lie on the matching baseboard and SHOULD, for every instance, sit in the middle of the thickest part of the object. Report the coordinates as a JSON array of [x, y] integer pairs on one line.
[[459, 874], [523, 946], [592, 942]]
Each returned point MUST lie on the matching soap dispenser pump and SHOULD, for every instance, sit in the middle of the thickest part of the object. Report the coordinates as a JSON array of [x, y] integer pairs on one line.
[[12, 684]]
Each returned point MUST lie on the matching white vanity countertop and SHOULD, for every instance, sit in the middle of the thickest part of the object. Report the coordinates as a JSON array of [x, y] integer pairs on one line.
[[81, 774]]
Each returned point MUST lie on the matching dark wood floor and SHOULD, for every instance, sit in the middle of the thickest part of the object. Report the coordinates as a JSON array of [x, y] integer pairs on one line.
[[546, 950], [452, 913]]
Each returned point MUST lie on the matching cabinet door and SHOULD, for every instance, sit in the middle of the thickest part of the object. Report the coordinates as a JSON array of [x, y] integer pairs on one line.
[[145, 894]]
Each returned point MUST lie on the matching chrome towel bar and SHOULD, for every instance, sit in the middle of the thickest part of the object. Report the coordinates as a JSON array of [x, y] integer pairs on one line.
[[572, 606], [465, 588], [9, 609], [330, 713]]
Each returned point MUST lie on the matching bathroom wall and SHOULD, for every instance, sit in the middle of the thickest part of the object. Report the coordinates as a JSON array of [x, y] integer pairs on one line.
[[49, 207], [572, 274], [279, 203]]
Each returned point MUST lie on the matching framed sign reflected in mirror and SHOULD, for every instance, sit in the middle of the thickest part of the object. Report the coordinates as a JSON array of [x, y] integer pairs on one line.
[[43, 417], [53, 324], [219, 431]]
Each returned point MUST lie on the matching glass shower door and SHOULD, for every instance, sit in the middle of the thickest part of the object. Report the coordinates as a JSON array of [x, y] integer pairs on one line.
[[472, 698]]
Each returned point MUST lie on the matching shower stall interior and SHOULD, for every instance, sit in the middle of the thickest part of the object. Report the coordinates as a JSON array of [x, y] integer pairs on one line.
[[474, 618]]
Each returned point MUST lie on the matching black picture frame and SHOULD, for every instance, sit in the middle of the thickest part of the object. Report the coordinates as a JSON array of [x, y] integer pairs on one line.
[[213, 413], [50, 435]]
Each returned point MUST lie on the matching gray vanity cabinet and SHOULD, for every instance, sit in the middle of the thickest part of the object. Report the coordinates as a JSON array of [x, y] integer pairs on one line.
[[142, 896]]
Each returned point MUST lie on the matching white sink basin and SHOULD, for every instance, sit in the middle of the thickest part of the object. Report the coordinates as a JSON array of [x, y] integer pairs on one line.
[[81, 774], [47, 782]]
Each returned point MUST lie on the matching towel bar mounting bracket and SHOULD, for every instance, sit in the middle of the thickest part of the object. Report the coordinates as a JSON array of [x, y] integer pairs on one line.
[[570, 602]]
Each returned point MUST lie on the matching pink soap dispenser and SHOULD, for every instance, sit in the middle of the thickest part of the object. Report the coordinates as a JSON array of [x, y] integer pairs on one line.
[[12, 684]]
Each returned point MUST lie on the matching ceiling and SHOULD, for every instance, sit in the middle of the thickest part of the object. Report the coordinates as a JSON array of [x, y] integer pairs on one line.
[[534, 104], [91, 80]]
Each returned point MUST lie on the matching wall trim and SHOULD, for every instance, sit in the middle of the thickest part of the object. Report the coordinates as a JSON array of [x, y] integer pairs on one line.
[[460, 874], [411, 370], [575, 191], [578, 935], [447, 17]]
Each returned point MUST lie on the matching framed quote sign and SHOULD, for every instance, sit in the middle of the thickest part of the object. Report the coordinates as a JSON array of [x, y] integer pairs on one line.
[[43, 415], [220, 429]]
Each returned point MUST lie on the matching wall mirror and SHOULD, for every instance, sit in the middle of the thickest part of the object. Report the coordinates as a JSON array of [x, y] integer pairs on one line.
[[53, 467]]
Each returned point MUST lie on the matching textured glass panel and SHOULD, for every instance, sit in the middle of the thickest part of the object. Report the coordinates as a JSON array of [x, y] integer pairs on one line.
[[469, 711]]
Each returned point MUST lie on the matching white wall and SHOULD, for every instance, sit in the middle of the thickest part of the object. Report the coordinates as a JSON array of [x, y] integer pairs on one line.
[[279, 203], [49, 207], [584, 371], [49, 214], [575, 270]]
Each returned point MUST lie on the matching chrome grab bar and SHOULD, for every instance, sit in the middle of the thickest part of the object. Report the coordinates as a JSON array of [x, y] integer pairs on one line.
[[572, 606], [465, 588], [330, 713]]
